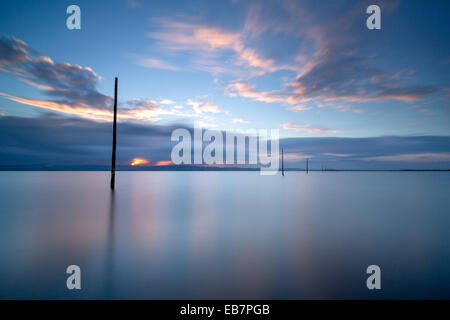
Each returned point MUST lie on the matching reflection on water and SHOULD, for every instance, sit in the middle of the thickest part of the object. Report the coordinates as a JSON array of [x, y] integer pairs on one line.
[[109, 261], [224, 234]]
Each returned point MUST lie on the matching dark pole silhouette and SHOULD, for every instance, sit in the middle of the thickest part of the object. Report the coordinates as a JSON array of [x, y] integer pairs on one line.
[[282, 163], [113, 160], [307, 165]]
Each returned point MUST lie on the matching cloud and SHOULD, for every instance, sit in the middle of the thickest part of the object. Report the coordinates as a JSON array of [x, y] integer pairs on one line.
[[73, 142], [246, 90], [13, 54], [157, 64], [327, 66], [182, 36], [139, 161], [239, 120], [167, 101], [299, 107], [334, 71], [253, 59], [348, 79], [72, 84], [336, 74], [413, 157], [151, 110], [163, 163], [205, 107], [211, 42], [295, 157], [343, 155], [339, 107], [83, 111], [72, 87], [145, 110], [307, 128]]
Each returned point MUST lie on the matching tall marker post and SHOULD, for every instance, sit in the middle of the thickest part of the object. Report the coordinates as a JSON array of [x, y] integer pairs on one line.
[[113, 160]]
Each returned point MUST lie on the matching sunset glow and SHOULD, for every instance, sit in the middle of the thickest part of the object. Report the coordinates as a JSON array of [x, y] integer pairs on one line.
[[163, 163], [139, 161]]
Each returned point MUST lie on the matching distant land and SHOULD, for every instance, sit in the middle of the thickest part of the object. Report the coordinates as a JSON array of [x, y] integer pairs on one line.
[[176, 168]]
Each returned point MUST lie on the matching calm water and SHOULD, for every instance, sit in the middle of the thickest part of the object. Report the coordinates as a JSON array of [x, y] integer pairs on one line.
[[225, 234]]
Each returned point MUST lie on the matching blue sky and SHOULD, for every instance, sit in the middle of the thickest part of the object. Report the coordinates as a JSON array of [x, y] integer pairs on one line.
[[311, 69]]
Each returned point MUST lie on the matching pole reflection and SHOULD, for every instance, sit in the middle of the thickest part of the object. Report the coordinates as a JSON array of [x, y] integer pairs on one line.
[[109, 283]]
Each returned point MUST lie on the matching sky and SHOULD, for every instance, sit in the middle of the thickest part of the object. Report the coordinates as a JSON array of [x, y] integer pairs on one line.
[[340, 94]]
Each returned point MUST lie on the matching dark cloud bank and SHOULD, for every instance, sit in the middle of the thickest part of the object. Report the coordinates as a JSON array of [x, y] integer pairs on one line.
[[55, 142], [65, 83]]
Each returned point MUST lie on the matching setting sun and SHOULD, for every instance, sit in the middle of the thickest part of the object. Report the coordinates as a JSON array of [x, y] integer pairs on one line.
[[139, 161]]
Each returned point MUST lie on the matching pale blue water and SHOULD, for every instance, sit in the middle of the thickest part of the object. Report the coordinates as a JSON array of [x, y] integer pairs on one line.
[[206, 235]]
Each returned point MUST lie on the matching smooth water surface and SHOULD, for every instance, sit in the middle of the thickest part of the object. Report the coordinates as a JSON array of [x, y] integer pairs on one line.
[[208, 235]]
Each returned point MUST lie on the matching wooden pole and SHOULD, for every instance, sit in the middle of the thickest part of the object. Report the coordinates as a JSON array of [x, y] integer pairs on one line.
[[113, 160], [282, 162], [307, 165]]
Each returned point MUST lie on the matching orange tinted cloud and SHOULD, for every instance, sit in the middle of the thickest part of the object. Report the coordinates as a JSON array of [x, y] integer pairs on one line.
[[163, 163], [299, 107], [307, 128], [181, 36], [87, 112], [139, 161], [247, 90], [186, 36], [205, 106], [146, 110]]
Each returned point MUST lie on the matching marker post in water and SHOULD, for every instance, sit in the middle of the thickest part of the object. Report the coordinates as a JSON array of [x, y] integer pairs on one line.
[[113, 160]]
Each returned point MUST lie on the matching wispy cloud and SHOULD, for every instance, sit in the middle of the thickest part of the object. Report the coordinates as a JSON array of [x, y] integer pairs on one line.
[[335, 72], [295, 157], [242, 89], [157, 64], [184, 36], [327, 67], [205, 107], [73, 87], [167, 101], [209, 42], [80, 110], [412, 157], [340, 155], [239, 120], [299, 107], [145, 110], [307, 128]]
